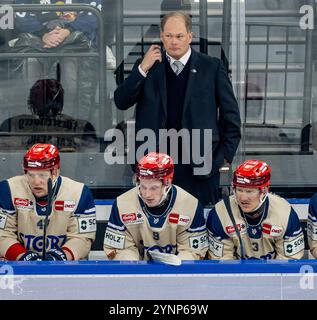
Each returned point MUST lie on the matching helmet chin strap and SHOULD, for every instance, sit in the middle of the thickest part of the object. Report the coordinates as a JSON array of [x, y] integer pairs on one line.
[[55, 174], [164, 195], [262, 199]]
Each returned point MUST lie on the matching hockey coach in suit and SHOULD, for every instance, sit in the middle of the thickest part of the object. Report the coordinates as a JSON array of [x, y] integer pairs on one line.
[[179, 88]]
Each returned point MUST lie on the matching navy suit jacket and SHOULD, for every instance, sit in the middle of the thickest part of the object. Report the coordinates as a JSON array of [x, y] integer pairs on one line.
[[209, 103]]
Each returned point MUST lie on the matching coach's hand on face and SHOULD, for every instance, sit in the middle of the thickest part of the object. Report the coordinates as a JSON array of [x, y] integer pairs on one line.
[[152, 55]]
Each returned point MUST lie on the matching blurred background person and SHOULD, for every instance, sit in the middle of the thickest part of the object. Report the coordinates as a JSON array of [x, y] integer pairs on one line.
[[47, 123]]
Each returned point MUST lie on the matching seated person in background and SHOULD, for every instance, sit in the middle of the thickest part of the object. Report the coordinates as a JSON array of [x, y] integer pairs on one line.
[[23, 206], [312, 225], [47, 124], [268, 226], [56, 31], [156, 215]]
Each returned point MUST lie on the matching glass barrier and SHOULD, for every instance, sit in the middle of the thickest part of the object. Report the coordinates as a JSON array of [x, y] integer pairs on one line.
[[279, 91], [267, 47]]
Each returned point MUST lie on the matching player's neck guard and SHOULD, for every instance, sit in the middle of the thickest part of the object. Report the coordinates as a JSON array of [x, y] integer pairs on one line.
[[255, 214]]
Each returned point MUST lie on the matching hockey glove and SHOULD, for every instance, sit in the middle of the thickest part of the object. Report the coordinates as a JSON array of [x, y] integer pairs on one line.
[[30, 256], [55, 255]]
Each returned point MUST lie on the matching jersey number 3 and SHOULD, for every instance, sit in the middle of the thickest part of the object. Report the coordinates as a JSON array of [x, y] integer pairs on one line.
[[255, 246]]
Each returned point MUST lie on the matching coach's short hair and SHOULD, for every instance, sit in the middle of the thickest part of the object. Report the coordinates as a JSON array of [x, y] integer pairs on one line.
[[180, 14]]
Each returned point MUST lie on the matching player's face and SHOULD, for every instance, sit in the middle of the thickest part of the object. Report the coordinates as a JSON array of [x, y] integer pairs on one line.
[[151, 191], [37, 180], [248, 198], [176, 39]]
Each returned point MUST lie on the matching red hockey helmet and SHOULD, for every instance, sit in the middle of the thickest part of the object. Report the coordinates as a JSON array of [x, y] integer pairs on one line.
[[41, 156], [252, 174], [156, 166]]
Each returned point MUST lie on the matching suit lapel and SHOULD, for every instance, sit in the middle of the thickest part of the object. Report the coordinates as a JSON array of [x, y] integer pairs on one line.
[[191, 79]]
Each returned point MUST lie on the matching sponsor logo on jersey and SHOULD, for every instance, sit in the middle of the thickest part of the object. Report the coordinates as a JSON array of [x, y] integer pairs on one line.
[[65, 205], [183, 220], [270, 255], [114, 240], [35, 243], [273, 231], [87, 224], [3, 220], [173, 218], [199, 242], [312, 230], [294, 246], [169, 248], [179, 219], [128, 217], [215, 247], [21, 203], [241, 227], [132, 218]]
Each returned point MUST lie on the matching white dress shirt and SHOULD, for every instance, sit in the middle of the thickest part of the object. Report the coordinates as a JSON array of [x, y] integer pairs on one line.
[[184, 59]]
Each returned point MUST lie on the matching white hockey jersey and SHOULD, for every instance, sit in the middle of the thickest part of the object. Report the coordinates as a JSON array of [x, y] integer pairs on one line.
[[72, 222], [312, 225], [132, 230], [278, 235]]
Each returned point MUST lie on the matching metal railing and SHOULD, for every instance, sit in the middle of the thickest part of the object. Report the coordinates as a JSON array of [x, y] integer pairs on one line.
[[285, 67], [99, 53]]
